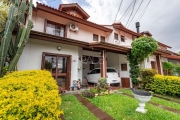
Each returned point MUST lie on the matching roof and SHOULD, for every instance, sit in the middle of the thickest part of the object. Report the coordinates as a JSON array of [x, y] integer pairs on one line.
[[146, 32], [109, 47], [164, 45], [120, 26], [54, 11], [75, 6], [174, 57]]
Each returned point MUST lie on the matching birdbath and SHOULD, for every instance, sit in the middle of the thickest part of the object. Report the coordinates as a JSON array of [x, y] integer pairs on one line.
[[142, 97]]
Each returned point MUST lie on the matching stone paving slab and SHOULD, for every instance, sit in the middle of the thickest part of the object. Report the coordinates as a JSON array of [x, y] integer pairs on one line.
[[101, 115], [155, 104]]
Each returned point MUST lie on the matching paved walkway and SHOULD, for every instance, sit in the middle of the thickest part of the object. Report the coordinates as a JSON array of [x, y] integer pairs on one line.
[[166, 98], [155, 104], [101, 115]]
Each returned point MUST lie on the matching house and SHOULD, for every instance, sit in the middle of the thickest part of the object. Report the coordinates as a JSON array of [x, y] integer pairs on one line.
[[73, 45], [174, 58]]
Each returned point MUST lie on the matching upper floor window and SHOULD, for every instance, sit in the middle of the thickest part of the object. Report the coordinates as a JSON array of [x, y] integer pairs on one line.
[[95, 37], [115, 36], [102, 39], [55, 29], [122, 38]]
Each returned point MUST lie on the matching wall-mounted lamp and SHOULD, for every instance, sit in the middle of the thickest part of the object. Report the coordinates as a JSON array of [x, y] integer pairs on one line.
[[59, 48]]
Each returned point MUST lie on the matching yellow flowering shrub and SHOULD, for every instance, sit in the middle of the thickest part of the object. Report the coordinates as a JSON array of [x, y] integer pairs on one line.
[[29, 95], [166, 85]]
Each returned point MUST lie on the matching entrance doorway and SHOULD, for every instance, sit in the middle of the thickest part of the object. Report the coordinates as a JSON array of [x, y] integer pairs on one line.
[[60, 66]]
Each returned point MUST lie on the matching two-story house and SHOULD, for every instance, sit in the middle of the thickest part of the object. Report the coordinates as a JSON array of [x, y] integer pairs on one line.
[[73, 45]]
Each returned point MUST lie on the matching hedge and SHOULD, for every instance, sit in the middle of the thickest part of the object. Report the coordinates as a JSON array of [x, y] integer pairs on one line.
[[169, 85], [31, 95]]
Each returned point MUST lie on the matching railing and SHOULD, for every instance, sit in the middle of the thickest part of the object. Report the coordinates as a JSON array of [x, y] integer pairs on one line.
[[54, 31]]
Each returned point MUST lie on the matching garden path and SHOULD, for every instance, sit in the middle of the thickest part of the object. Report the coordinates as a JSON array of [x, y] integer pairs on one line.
[[101, 115]]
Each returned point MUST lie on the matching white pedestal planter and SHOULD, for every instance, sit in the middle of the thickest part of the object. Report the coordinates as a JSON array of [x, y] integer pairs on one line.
[[142, 97]]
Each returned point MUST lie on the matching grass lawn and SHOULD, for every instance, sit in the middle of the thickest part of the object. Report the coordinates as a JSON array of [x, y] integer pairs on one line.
[[74, 110], [121, 107], [158, 100]]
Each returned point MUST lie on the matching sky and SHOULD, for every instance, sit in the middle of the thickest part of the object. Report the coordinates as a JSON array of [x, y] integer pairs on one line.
[[161, 17]]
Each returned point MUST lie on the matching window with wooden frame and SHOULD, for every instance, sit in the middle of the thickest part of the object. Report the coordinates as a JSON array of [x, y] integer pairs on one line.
[[95, 37], [124, 67], [122, 38], [115, 36], [54, 28], [102, 39]]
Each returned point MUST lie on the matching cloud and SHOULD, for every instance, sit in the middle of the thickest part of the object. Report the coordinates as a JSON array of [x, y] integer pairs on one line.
[[40, 1]]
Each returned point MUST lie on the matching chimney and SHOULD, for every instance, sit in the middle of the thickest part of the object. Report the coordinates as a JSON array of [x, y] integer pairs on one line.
[[137, 26]]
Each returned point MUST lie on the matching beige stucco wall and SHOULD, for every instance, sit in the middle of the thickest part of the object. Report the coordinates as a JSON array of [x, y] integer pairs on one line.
[[85, 33], [128, 37], [31, 57]]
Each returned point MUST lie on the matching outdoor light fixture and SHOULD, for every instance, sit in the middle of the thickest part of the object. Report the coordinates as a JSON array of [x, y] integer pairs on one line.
[[59, 48]]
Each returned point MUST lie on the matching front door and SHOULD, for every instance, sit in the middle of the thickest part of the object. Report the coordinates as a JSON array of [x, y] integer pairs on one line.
[[60, 66]]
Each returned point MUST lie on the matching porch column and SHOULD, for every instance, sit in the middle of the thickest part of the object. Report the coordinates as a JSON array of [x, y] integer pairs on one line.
[[159, 64], [103, 63]]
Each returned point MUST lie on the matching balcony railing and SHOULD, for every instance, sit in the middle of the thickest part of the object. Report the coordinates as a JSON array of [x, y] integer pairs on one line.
[[54, 31]]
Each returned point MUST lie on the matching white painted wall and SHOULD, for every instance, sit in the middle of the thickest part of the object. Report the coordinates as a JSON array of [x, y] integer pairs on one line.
[[148, 62], [31, 57], [124, 74], [86, 65], [80, 65], [113, 60], [85, 33], [128, 37]]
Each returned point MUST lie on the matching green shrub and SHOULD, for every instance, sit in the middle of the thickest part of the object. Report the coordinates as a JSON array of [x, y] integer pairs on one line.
[[87, 93], [177, 69], [169, 85], [93, 90], [29, 95], [168, 68], [102, 86], [147, 77]]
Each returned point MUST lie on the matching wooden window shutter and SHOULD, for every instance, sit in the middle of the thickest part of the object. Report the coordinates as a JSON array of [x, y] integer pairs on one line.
[[45, 24]]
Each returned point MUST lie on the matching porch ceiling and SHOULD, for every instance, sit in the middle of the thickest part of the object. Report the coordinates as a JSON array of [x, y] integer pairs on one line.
[[109, 47], [162, 52]]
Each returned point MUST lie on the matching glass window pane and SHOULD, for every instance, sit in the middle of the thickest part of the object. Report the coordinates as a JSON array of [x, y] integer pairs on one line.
[[62, 32], [62, 65], [50, 29], [97, 71], [50, 63], [61, 81], [111, 70]]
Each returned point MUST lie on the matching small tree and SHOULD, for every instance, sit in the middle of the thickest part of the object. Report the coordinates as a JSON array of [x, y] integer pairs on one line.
[[142, 47], [168, 68], [177, 69]]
